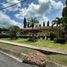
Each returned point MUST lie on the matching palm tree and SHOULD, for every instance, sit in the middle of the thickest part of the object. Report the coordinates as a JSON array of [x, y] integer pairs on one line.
[[32, 21], [58, 22]]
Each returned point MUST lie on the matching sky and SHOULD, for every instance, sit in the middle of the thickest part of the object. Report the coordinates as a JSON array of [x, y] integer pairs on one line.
[[43, 10]]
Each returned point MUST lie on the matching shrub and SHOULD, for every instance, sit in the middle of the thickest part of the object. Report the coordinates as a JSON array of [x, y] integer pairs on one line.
[[66, 38], [32, 39], [52, 35], [60, 40]]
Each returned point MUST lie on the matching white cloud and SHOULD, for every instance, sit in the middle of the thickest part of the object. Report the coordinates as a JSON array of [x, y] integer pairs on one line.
[[43, 19], [6, 21], [57, 5], [28, 12], [35, 10], [11, 2], [43, 1]]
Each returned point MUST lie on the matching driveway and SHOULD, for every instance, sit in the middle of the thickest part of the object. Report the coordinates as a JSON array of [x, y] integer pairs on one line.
[[6, 61]]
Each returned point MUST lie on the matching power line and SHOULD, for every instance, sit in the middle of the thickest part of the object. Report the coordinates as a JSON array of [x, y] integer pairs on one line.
[[12, 5]]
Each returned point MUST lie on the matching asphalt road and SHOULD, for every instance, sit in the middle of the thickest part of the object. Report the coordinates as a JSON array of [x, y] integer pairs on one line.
[[6, 61]]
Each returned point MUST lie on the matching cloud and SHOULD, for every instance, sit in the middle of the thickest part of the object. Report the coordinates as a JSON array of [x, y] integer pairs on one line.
[[43, 19], [28, 12], [57, 5], [43, 7], [6, 21], [11, 2]]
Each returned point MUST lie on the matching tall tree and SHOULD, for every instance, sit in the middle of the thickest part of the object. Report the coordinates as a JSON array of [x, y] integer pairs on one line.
[[43, 24], [39, 25], [64, 18], [64, 12], [28, 24], [25, 23], [48, 23]]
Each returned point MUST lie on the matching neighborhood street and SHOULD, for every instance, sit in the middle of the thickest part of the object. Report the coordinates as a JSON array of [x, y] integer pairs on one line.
[[6, 61]]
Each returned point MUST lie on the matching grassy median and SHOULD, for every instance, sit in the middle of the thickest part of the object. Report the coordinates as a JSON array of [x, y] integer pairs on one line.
[[42, 43]]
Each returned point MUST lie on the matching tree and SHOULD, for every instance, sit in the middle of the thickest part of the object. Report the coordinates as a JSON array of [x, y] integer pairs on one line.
[[39, 25], [64, 12], [32, 21], [64, 18], [28, 24], [57, 21], [14, 31], [43, 24], [48, 23], [25, 23]]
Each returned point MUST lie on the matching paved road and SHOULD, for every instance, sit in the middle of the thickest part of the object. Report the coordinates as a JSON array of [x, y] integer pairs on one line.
[[6, 61]]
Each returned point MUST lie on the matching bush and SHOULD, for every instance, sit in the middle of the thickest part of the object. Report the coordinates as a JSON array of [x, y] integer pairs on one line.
[[60, 40], [32, 39], [66, 38], [52, 35]]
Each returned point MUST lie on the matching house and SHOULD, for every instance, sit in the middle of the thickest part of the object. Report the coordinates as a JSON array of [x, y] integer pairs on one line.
[[42, 30]]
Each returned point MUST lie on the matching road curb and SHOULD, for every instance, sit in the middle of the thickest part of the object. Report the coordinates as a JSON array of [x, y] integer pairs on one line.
[[41, 49]]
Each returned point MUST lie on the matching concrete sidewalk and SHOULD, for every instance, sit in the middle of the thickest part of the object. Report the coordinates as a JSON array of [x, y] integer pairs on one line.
[[41, 49]]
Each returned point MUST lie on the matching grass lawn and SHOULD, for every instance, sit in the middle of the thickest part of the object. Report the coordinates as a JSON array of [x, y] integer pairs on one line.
[[42, 43], [62, 59], [17, 49]]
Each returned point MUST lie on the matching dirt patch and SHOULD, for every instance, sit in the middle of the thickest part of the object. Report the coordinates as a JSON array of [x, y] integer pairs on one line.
[[36, 59]]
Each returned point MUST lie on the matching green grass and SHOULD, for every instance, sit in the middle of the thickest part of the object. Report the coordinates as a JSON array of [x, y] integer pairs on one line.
[[17, 49], [43, 43], [61, 59]]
